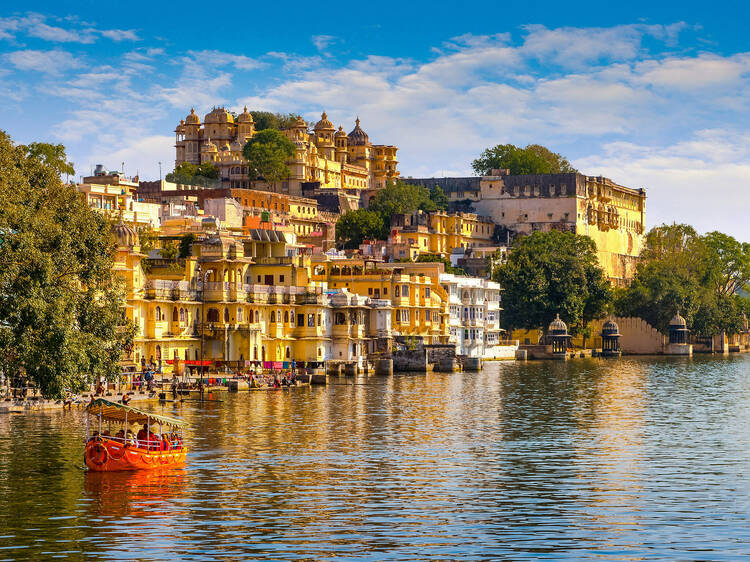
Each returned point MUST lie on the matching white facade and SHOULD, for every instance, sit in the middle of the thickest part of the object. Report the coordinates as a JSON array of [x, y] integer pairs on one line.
[[474, 306]]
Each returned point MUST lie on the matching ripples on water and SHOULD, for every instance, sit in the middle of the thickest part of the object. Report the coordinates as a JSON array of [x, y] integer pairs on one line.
[[626, 459]]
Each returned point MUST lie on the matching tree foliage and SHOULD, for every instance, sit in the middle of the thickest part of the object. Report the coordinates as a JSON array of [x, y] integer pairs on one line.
[[534, 159], [186, 173], [354, 227], [399, 197], [437, 196], [702, 277], [52, 155], [267, 153], [549, 273], [61, 305], [267, 120]]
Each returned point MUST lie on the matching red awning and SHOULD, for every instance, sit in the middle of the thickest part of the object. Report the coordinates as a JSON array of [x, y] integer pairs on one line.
[[189, 362]]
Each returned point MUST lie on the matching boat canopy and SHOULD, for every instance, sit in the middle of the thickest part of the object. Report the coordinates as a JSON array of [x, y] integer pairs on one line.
[[114, 411]]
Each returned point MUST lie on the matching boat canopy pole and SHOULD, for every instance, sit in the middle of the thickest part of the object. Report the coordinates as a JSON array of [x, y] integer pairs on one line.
[[101, 409]]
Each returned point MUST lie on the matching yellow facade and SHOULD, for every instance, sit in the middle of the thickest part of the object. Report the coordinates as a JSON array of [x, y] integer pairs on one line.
[[419, 302], [437, 232]]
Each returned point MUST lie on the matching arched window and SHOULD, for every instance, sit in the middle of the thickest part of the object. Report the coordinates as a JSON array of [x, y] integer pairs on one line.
[[226, 314], [175, 314], [239, 314], [256, 316], [397, 291], [273, 316], [255, 353], [157, 314], [288, 353], [340, 318], [286, 316], [212, 315]]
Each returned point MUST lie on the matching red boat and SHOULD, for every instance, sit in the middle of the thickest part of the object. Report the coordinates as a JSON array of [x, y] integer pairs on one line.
[[126, 450]]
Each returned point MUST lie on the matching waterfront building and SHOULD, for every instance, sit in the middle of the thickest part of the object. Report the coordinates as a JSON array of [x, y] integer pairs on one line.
[[325, 157], [418, 301], [474, 316]]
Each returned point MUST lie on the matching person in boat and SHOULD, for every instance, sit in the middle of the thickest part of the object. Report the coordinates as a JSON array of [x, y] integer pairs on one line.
[[130, 438], [125, 398], [276, 383], [120, 435], [143, 436]]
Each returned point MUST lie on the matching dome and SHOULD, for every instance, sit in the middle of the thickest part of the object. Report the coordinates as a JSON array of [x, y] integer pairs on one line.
[[300, 123], [557, 327], [193, 118], [358, 137], [678, 321], [340, 132], [126, 236], [209, 147], [324, 124], [610, 328], [219, 115], [245, 117]]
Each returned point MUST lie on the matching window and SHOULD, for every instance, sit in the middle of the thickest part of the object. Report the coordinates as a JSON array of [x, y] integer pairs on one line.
[[396, 291], [300, 320], [405, 290], [286, 316], [157, 314], [256, 316], [319, 319], [427, 292], [281, 278], [273, 316], [311, 320]]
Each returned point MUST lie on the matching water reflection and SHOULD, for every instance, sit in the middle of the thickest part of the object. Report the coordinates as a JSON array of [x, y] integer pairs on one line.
[[622, 459]]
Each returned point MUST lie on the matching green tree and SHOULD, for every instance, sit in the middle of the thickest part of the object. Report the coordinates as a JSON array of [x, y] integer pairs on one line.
[[549, 273], [147, 238], [702, 277], [186, 173], [354, 227], [267, 120], [62, 319], [52, 155], [186, 243], [399, 197], [438, 197], [267, 153], [534, 159]]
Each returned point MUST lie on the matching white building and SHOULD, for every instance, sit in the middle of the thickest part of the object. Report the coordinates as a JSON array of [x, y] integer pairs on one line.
[[475, 317]]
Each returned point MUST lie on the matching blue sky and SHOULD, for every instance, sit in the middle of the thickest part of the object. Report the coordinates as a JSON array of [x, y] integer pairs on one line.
[[653, 95]]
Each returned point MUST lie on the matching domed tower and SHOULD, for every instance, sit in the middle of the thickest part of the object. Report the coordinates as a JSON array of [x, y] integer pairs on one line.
[[299, 130], [191, 138], [245, 127], [359, 147], [126, 237], [324, 133], [610, 339], [678, 329], [219, 124], [557, 335], [342, 146]]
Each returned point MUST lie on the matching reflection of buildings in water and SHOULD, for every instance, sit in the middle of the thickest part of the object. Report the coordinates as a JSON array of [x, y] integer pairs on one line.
[[610, 447]]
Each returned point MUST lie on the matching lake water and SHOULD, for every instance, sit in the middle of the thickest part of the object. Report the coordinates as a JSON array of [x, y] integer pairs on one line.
[[607, 459]]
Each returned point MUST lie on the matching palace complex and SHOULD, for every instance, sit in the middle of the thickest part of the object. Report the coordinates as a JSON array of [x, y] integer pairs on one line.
[[614, 216], [326, 158]]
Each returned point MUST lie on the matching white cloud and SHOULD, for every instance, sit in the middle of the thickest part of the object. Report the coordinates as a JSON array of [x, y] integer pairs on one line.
[[702, 181], [322, 42], [49, 62], [36, 26]]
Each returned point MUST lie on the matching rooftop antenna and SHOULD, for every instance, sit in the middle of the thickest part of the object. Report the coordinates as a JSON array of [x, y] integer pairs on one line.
[[123, 168], [159, 171]]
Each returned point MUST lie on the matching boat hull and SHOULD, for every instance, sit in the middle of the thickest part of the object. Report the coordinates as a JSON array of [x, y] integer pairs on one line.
[[110, 456]]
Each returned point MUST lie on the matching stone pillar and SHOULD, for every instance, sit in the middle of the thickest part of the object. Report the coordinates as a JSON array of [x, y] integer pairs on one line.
[[472, 364], [384, 367]]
